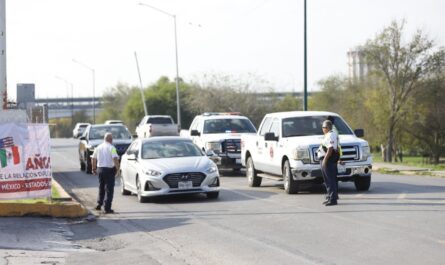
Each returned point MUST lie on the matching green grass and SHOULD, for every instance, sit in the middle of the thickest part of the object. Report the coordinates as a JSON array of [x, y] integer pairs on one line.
[[54, 194], [415, 161]]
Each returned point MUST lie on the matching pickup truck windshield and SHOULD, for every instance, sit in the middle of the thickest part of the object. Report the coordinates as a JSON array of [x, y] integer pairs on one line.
[[160, 120], [228, 126], [118, 132], [311, 125], [168, 149]]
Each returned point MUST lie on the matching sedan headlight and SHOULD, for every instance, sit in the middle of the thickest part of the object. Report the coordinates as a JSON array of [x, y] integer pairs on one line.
[[212, 169], [366, 152], [301, 153], [151, 172], [214, 146]]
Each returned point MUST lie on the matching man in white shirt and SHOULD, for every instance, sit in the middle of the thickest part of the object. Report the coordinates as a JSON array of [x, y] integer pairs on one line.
[[106, 165], [329, 162]]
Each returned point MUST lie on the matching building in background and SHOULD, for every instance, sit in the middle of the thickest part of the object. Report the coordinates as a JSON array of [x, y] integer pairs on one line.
[[358, 68], [26, 96]]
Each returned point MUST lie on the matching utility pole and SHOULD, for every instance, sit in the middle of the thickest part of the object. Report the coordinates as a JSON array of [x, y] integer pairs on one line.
[[305, 57], [3, 88]]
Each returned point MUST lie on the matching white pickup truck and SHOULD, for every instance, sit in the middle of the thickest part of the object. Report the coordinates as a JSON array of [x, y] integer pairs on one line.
[[157, 125], [219, 135], [285, 149]]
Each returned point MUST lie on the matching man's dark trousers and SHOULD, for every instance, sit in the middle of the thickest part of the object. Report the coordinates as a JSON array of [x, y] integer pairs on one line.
[[106, 186], [330, 179]]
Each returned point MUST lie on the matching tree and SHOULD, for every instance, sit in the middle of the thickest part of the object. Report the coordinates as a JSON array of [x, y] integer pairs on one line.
[[288, 103], [225, 93], [428, 125], [115, 100], [160, 99], [401, 65]]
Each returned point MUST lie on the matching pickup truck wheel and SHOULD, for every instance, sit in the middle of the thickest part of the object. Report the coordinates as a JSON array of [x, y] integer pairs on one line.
[[88, 164], [362, 183], [251, 174], [290, 185]]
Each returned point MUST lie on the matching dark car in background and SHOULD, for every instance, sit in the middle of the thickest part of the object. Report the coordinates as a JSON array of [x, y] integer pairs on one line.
[[94, 135]]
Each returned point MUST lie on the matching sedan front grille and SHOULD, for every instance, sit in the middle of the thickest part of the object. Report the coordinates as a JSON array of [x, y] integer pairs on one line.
[[350, 153], [195, 177]]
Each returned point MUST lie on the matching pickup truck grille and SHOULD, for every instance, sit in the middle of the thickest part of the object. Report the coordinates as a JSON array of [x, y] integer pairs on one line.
[[196, 177], [350, 153], [232, 146]]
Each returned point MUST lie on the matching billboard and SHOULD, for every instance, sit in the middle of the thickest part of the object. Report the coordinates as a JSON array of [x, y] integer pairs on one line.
[[25, 163]]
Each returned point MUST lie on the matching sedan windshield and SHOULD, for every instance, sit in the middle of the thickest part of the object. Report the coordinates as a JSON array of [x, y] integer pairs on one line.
[[169, 148], [311, 125], [118, 132], [229, 126]]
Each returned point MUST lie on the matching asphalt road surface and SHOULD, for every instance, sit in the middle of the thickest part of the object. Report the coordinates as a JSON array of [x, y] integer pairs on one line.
[[400, 220]]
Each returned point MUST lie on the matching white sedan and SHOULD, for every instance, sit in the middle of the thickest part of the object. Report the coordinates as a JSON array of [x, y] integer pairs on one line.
[[167, 165]]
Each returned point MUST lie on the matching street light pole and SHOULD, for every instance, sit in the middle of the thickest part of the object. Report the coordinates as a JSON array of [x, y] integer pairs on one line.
[[68, 85], [178, 108], [305, 58], [93, 72], [141, 88]]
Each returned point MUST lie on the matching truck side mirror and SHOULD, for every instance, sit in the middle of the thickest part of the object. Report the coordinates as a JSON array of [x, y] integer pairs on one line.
[[195, 133], [270, 136], [359, 132], [82, 138]]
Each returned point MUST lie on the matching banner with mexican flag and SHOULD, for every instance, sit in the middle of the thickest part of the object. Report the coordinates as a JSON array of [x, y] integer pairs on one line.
[[25, 164]]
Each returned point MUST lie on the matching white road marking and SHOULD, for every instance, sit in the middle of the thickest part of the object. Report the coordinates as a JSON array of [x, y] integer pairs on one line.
[[401, 196]]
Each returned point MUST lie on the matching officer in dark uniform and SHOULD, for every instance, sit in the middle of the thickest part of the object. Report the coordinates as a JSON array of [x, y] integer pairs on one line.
[[329, 156]]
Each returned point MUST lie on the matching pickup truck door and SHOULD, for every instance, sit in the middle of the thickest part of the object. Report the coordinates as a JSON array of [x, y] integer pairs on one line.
[[199, 126], [260, 155], [272, 163]]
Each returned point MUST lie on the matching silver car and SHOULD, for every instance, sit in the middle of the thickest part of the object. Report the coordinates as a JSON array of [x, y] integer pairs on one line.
[[165, 166]]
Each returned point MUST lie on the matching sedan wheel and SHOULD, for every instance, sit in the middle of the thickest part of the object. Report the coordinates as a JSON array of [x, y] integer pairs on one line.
[[123, 190], [141, 198]]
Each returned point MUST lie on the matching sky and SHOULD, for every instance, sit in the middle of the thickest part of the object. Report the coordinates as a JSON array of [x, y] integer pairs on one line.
[[234, 37]]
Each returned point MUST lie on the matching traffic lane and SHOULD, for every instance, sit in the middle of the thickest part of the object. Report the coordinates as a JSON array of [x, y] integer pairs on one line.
[[383, 222], [293, 228]]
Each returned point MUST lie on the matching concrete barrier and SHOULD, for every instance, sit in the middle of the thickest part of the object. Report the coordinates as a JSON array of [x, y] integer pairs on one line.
[[66, 206]]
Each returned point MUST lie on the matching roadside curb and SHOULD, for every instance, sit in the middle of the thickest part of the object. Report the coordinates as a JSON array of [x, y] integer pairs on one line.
[[416, 172], [66, 207]]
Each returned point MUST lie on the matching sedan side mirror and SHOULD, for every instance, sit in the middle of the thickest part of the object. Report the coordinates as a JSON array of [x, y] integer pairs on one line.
[[359, 132], [195, 133], [270, 136]]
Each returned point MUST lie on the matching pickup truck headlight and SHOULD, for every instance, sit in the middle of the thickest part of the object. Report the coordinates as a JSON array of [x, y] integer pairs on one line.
[[214, 146], [151, 172], [366, 152], [301, 153]]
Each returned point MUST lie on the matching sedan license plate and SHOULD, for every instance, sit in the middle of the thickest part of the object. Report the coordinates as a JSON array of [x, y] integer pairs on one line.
[[183, 185], [341, 169], [238, 161]]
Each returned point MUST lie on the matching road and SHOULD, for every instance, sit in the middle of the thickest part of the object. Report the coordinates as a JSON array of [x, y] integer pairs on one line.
[[399, 221]]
